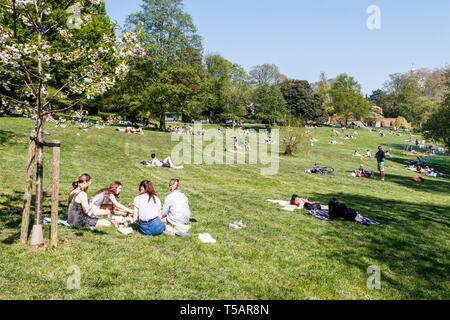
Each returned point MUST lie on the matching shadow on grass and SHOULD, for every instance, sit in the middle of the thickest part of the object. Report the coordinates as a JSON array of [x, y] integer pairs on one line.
[[11, 213], [410, 241], [6, 136], [441, 185]]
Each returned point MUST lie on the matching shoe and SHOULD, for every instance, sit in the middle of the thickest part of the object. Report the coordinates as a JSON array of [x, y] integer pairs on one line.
[[206, 238], [234, 226]]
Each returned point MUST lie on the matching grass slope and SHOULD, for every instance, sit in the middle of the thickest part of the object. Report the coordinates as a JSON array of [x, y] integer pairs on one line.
[[280, 255]]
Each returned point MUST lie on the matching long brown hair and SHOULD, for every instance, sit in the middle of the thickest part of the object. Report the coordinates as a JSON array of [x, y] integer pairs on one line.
[[148, 189], [112, 189], [82, 178]]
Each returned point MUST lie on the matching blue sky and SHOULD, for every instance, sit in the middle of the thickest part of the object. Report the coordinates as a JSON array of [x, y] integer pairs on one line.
[[304, 38]]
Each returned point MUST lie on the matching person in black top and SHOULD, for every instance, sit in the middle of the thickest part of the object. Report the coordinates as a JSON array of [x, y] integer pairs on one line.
[[380, 159]]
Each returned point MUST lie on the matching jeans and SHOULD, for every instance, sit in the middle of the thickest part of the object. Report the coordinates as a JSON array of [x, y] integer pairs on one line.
[[152, 228]]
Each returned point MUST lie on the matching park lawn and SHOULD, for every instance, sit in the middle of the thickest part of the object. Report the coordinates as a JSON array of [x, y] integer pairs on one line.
[[280, 255]]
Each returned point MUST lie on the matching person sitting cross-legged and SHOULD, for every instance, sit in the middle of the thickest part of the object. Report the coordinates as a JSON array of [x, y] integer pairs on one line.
[[176, 211], [79, 208]]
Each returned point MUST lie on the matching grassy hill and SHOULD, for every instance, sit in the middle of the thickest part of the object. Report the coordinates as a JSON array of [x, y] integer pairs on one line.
[[280, 255]]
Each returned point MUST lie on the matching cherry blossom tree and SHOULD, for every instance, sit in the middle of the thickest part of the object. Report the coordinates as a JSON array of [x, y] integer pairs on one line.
[[30, 60]]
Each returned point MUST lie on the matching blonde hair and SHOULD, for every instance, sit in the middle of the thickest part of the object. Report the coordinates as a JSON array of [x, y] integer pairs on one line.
[[174, 184]]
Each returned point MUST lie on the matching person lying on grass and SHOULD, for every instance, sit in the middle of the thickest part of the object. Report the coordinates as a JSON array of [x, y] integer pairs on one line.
[[147, 212], [130, 130], [78, 212], [176, 210], [106, 202], [357, 154], [166, 163], [299, 203], [361, 173]]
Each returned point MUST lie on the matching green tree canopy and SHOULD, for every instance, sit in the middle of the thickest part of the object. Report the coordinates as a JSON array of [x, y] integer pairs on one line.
[[438, 124], [269, 103], [302, 101], [170, 76], [347, 98]]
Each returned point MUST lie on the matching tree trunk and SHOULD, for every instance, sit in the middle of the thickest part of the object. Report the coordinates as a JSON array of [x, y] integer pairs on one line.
[[37, 237], [39, 169], [162, 119]]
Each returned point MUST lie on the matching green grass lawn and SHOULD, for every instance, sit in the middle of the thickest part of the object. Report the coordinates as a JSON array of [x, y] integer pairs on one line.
[[280, 255]]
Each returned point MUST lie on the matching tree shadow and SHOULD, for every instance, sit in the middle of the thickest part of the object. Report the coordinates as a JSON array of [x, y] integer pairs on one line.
[[399, 242], [431, 184], [6, 136], [12, 208]]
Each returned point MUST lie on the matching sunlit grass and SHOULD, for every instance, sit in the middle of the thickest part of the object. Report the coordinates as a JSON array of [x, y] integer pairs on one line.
[[280, 255]]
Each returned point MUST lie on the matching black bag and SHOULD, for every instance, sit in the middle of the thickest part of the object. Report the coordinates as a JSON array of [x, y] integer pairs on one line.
[[341, 211], [312, 206]]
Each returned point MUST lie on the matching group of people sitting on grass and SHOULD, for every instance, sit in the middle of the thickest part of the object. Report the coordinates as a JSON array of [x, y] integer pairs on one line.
[[153, 219], [239, 144], [180, 130], [367, 155], [130, 130], [430, 172]]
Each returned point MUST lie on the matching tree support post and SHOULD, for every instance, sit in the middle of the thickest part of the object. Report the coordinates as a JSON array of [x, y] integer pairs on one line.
[[55, 191]]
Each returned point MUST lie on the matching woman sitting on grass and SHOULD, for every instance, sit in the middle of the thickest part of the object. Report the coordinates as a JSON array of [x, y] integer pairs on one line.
[[147, 211], [176, 208], [78, 213], [101, 205]]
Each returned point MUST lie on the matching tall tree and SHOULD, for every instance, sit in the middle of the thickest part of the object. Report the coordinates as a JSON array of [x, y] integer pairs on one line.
[[266, 74], [324, 92], [438, 124], [269, 103], [169, 37], [302, 101], [347, 98]]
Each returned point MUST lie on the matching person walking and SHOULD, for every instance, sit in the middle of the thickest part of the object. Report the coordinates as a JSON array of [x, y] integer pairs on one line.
[[380, 159]]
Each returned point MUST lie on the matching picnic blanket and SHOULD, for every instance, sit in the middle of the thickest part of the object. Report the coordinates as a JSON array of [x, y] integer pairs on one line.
[[323, 215], [46, 220]]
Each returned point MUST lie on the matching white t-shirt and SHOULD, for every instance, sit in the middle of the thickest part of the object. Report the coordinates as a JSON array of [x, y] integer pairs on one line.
[[147, 210], [176, 208]]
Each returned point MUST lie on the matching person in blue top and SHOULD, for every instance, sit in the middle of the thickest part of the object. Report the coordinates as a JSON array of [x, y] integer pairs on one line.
[[380, 159]]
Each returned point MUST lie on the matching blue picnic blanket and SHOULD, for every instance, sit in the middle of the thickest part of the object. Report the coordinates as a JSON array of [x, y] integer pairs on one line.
[[323, 215]]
